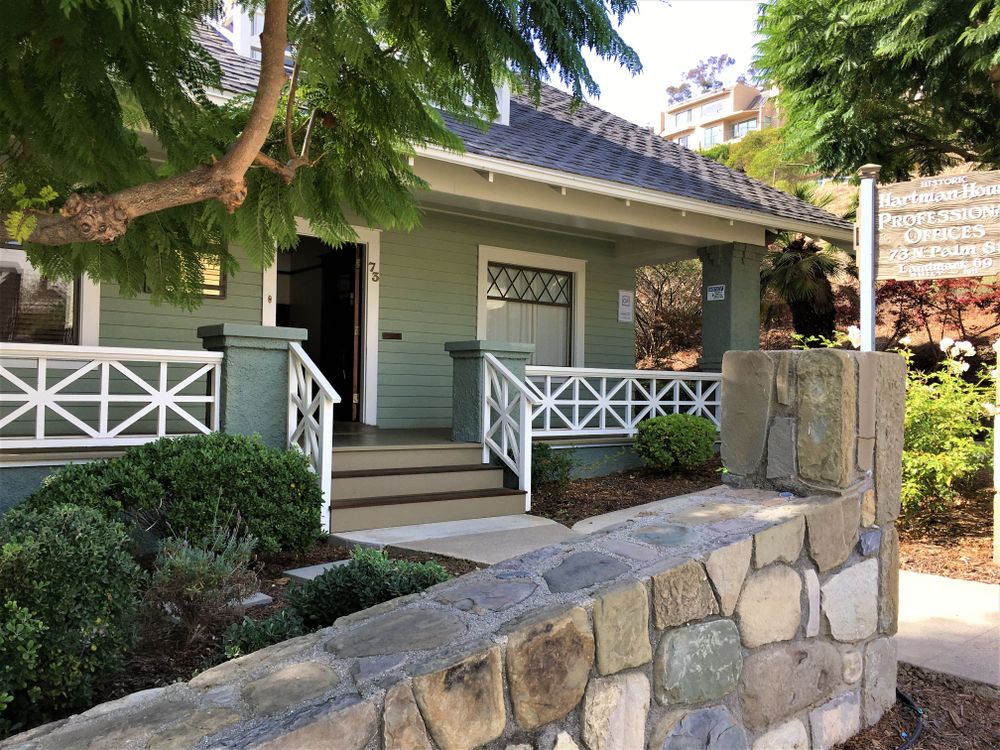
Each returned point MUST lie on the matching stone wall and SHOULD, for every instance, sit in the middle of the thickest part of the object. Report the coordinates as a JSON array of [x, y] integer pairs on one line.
[[740, 617]]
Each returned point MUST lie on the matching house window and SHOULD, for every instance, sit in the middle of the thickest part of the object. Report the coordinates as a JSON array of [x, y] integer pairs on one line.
[[713, 135], [213, 280], [740, 129], [534, 306], [712, 108], [684, 140], [33, 309], [682, 118]]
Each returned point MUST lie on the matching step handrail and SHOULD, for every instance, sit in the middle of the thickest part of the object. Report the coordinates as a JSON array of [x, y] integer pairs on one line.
[[310, 419], [508, 410]]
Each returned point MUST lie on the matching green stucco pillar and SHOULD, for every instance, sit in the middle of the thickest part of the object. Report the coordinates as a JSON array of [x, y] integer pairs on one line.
[[254, 377], [730, 298], [467, 389]]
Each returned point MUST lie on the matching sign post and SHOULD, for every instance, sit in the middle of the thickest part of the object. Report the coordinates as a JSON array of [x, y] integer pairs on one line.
[[942, 227], [867, 251]]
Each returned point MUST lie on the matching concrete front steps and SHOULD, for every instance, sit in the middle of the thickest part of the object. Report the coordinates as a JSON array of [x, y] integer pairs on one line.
[[384, 486]]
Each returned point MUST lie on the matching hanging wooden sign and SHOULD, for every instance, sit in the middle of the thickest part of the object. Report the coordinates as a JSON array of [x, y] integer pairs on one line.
[[939, 227]]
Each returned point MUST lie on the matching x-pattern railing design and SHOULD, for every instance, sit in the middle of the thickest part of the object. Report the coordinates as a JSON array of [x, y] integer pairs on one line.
[[577, 402], [133, 391]]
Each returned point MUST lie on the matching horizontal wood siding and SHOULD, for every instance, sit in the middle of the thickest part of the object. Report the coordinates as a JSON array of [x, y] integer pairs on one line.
[[428, 294], [134, 321]]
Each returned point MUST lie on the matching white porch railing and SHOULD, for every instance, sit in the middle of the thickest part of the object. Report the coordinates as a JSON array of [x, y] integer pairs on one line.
[[310, 418], [507, 409], [585, 402], [55, 396]]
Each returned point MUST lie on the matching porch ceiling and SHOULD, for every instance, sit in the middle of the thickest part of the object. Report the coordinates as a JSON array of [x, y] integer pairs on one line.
[[640, 231]]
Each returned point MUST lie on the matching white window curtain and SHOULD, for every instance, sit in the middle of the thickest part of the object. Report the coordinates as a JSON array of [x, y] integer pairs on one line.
[[545, 326], [532, 306]]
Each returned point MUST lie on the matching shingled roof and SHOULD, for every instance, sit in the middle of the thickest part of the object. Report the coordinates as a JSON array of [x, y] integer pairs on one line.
[[590, 142]]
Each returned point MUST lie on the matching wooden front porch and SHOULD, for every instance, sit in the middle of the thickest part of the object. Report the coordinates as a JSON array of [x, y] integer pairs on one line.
[[60, 404]]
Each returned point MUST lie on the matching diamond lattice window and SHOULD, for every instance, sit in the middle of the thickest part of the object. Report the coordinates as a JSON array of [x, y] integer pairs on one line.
[[536, 285]]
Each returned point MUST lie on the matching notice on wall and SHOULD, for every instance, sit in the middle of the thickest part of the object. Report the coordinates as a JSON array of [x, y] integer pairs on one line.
[[939, 227], [626, 306], [715, 293]]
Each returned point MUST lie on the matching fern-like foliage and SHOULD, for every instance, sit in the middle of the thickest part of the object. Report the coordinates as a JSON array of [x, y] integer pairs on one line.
[[99, 95], [913, 85]]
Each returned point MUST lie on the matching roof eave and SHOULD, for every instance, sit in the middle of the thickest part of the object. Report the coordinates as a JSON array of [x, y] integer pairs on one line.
[[835, 235]]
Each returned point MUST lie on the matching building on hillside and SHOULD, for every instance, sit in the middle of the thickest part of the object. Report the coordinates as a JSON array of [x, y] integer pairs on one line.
[[721, 116], [505, 317]]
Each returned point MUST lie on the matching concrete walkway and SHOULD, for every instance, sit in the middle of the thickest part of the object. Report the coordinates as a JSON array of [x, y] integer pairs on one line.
[[950, 625], [482, 540]]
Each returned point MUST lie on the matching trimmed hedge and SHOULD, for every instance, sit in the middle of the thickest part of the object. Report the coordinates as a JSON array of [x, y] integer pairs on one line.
[[69, 570], [190, 486], [675, 441]]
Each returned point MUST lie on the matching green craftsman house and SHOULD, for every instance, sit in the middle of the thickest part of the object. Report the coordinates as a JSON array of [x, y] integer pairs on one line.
[[414, 368]]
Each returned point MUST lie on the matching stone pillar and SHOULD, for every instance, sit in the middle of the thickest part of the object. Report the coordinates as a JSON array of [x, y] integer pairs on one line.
[[823, 422], [467, 388], [254, 377], [733, 322], [817, 420]]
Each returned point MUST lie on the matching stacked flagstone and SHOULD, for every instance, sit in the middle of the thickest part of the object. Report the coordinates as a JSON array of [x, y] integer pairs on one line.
[[744, 617]]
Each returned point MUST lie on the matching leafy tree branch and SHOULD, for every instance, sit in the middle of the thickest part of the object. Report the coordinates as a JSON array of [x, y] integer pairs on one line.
[[114, 105]]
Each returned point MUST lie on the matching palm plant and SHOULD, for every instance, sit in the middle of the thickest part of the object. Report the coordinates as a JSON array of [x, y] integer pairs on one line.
[[799, 271]]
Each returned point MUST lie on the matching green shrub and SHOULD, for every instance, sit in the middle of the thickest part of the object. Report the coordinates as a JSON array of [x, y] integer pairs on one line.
[[70, 568], [368, 579], [249, 635], [20, 634], [184, 486], [112, 486], [675, 441], [944, 413], [194, 586], [551, 467]]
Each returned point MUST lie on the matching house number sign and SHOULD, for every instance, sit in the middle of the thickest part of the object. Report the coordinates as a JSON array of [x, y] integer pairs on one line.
[[373, 272]]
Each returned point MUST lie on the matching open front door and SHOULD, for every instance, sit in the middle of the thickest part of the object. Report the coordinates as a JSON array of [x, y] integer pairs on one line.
[[320, 289]]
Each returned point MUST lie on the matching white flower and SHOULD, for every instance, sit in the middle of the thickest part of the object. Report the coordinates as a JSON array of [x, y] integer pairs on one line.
[[994, 373], [946, 343], [965, 367], [955, 352], [966, 348], [906, 340], [854, 336], [996, 346]]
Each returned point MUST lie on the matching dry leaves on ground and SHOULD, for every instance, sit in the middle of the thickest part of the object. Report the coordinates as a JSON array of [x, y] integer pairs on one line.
[[957, 541], [958, 715]]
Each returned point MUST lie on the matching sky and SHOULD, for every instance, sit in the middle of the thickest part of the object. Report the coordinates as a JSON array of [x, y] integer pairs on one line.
[[670, 38]]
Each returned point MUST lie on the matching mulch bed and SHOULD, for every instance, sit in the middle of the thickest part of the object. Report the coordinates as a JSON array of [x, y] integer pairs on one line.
[[956, 542], [958, 715], [592, 497]]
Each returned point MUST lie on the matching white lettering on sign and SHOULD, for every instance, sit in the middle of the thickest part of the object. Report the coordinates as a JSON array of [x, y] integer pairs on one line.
[[715, 293], [940, 227], [626, 306]]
